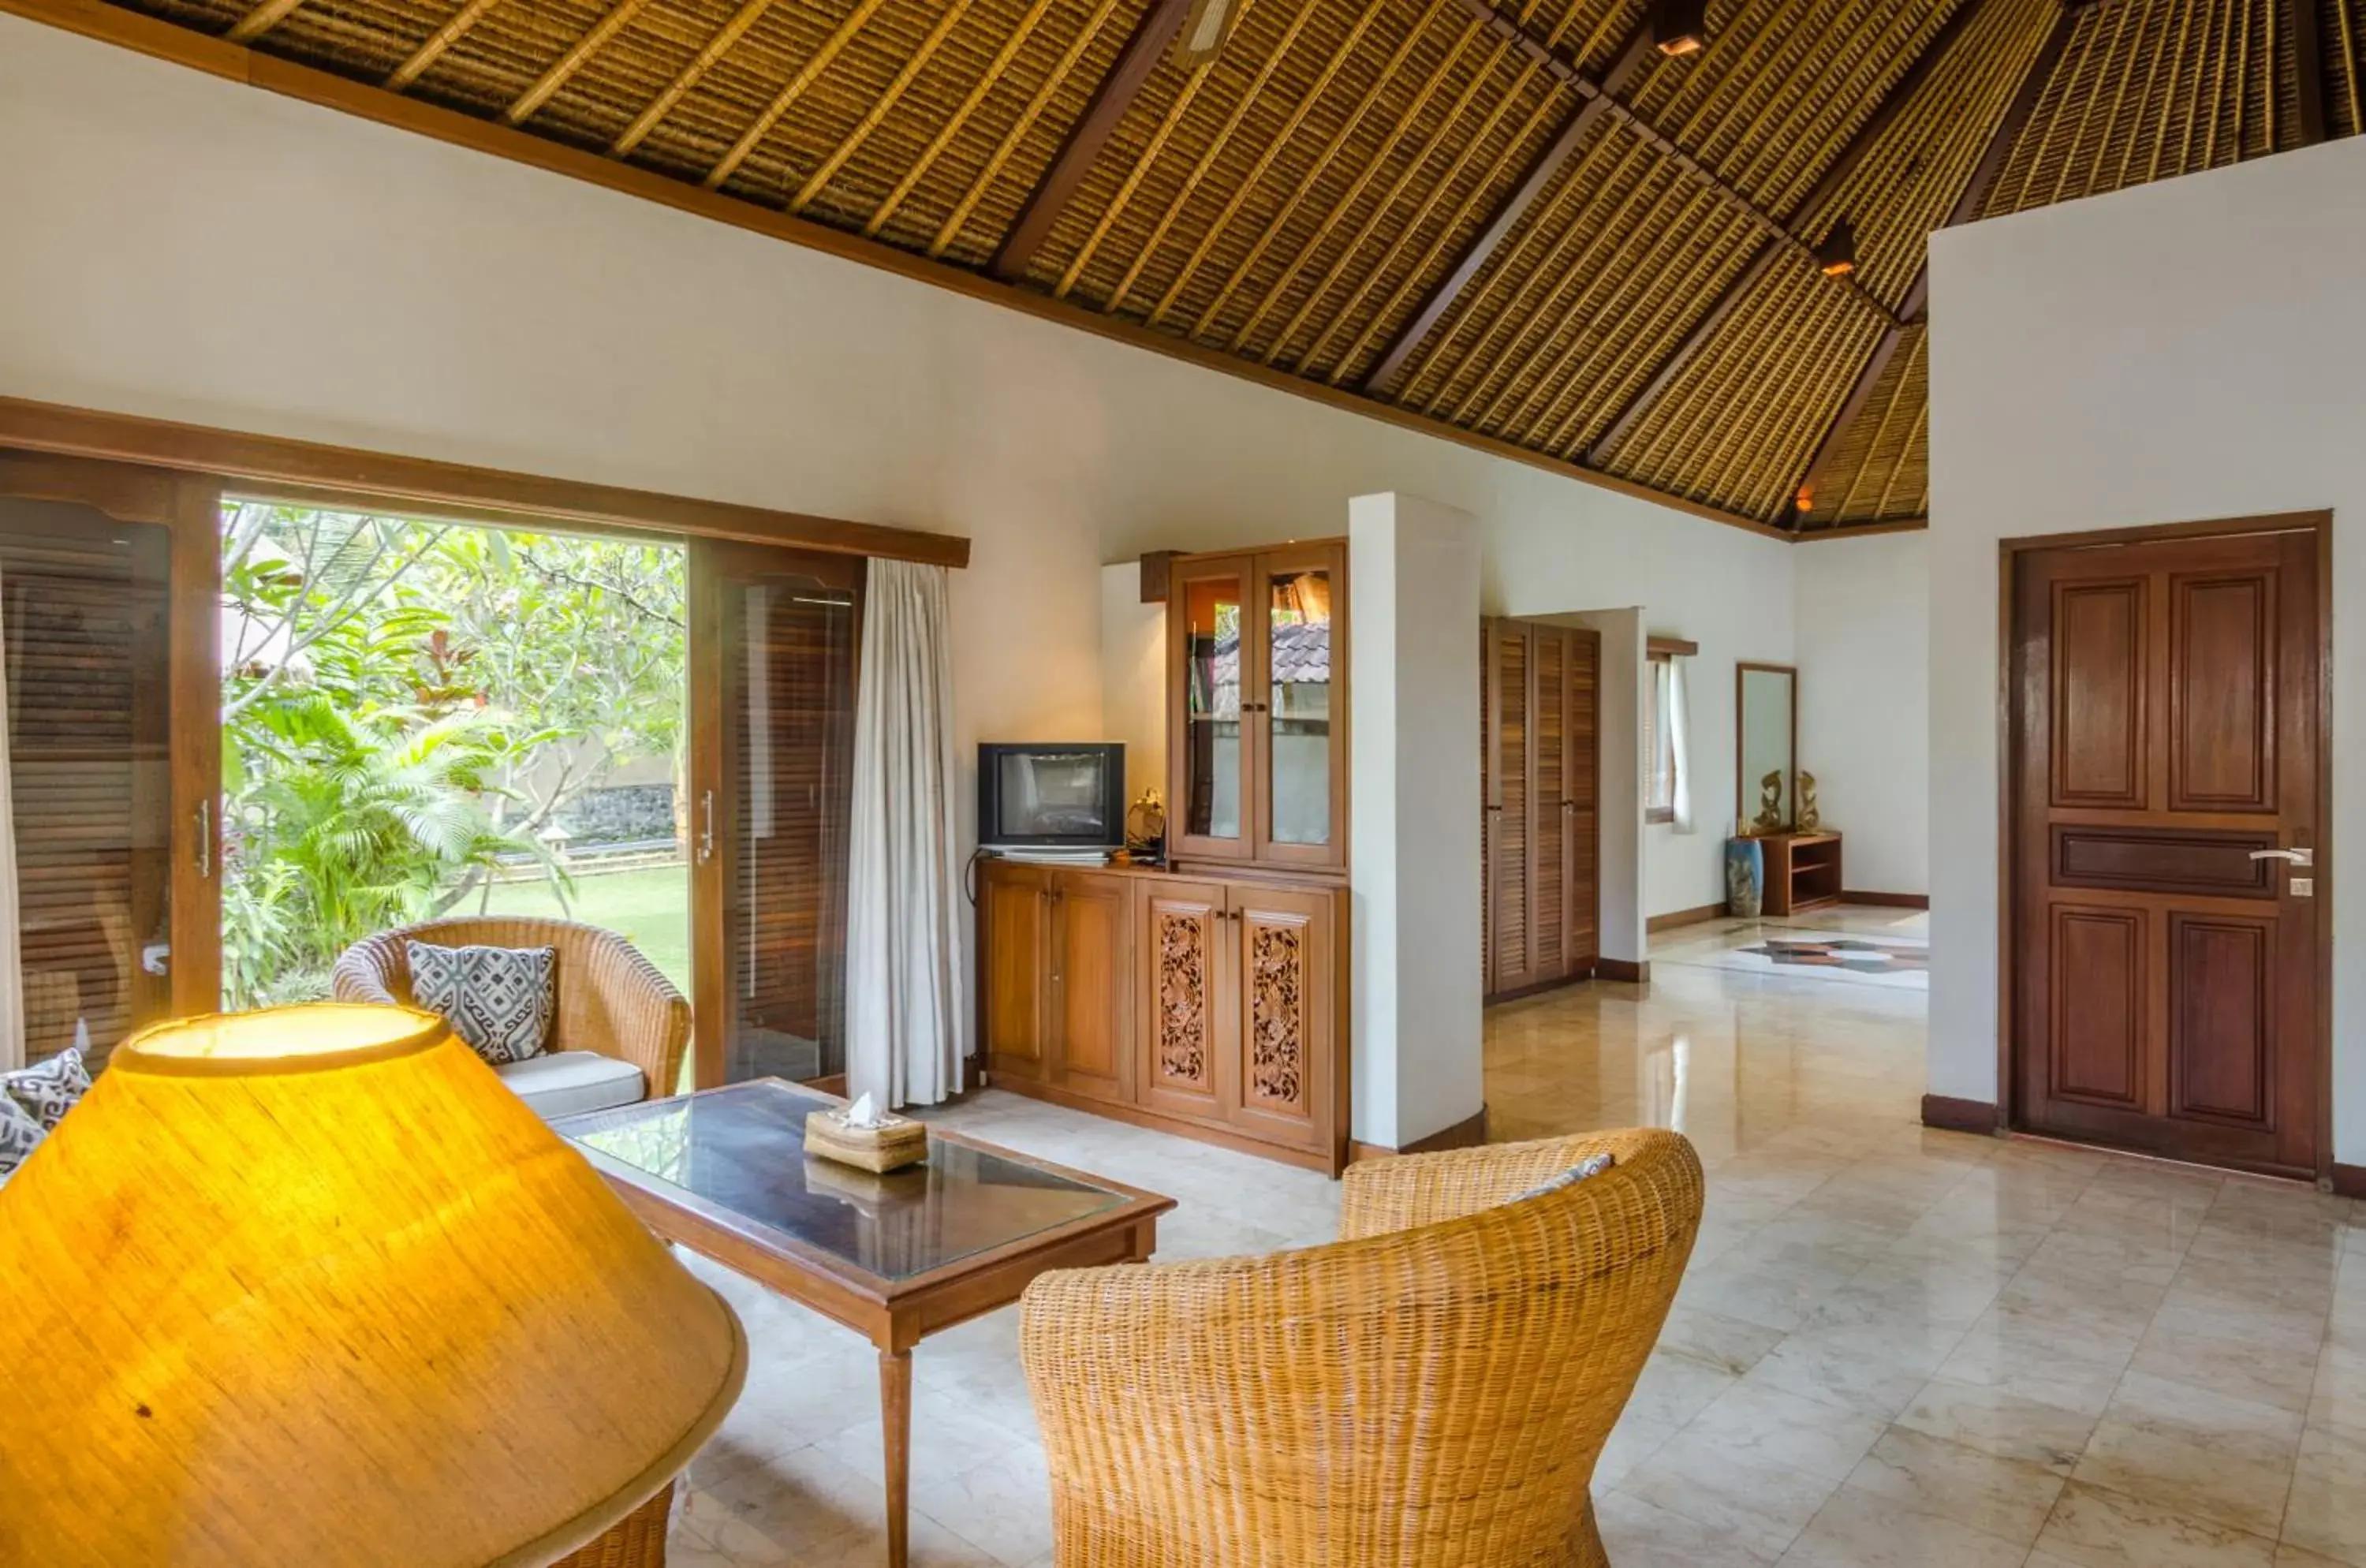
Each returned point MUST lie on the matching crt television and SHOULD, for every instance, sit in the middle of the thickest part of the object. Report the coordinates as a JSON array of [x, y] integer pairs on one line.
[[1051, 796]]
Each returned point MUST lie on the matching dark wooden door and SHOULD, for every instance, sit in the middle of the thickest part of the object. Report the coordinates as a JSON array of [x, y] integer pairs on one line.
[[774, 636], [1279, 1077], [1181, 990], [2167, 962], [1092, 984]]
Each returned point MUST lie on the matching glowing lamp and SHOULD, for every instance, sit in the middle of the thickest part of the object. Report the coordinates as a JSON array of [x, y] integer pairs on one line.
[[311, 1286], [1680, 27], [1836, 251]]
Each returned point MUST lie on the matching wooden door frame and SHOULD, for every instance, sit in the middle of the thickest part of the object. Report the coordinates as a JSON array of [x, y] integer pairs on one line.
[[2008, 554], [187, 506]]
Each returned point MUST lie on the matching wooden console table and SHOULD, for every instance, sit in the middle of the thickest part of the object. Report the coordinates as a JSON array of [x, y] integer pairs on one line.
[[1803, 872]]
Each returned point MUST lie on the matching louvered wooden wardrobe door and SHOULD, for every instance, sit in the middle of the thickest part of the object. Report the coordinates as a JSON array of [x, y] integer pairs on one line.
[[1549, 803], [1537, 839], [1581, 810], [1508, 829]]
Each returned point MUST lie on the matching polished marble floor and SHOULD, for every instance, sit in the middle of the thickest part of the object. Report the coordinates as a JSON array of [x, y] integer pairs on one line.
[[1894, 1347]]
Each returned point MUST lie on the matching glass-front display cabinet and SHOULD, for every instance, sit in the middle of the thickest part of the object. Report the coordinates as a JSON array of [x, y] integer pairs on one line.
[[1257, 701]]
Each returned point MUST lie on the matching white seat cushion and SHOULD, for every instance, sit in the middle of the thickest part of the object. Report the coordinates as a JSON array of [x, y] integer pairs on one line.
[[569, 1083]]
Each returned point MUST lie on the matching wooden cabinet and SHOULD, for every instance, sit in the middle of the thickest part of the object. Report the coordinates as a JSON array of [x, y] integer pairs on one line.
[[1540, 825], [1054, 977], [1213, 1007], [1803, 872], [1257, 708]]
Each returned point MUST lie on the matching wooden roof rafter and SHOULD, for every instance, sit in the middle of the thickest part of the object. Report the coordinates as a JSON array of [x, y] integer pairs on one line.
[[1634, 56], [1542, 51], [1967, 205], [1342, 318], [1868, 135], [1111, 102]]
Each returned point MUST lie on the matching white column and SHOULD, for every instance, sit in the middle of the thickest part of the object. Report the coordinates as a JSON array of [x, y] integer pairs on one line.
[[1412, 573]]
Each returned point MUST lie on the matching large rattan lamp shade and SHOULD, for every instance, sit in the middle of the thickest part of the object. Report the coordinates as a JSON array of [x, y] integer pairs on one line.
[[311, 1286]]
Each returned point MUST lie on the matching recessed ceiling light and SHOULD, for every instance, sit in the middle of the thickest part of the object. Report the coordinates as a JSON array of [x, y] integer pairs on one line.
[[1680, 27], [1836, 251]]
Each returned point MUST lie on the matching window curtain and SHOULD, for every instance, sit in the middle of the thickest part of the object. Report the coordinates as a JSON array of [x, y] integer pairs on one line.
[[904, 1013], [1680, 746]]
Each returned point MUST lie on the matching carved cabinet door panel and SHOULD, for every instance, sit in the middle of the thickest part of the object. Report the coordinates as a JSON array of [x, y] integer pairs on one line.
[[1015, 967], [1092, 993], [1180, 990], [1282, 941]]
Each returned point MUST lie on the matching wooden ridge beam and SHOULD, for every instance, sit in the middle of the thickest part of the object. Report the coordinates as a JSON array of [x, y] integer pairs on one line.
[[1632, 59], [1868, 135], [1967, 207], [1107, 106]]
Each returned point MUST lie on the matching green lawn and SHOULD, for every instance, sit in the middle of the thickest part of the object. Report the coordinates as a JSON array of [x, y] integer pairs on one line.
[[649, 908]]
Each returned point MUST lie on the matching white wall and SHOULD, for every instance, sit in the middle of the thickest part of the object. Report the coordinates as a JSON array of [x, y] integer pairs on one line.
[[1413, 575], [1727, 590], [1134, 677], [1863, 637], [2184, 350]]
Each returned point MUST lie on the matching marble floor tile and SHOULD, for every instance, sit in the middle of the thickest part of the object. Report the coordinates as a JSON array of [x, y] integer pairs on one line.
[[1859, 1528], [1893, 1346], [2096, 1528]]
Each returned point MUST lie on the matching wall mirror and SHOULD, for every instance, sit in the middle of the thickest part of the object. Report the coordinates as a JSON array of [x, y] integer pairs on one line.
[[1766, 726]]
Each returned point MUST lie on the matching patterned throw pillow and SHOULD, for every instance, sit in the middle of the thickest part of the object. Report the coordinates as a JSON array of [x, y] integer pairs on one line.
[[18, 1134], [1591, 1164], [47, 1089], [499, 1000]]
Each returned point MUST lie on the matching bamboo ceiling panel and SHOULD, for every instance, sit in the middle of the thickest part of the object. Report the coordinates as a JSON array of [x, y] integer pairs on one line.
[[1582, 302], [1880, 467], [1397, 197], [1777, 96], [1737, 428]]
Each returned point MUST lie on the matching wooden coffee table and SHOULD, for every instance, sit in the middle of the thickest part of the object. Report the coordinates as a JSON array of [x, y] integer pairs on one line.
[[896, 1258]]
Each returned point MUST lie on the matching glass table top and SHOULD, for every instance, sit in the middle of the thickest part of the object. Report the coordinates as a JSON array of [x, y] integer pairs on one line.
[[742, 1149]]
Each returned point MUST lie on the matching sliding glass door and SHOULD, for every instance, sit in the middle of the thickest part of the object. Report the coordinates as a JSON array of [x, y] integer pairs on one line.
[[774, 634], [109, 588]]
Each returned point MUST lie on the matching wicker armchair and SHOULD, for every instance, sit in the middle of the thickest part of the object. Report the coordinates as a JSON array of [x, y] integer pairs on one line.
[[1432, 1390], [611, 999]]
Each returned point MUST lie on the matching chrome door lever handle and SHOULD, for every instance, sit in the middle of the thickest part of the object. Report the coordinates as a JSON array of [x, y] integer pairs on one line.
[[2297, 857]]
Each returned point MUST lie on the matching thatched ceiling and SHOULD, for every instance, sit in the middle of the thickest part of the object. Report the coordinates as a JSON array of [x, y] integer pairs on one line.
[[1517, 220]]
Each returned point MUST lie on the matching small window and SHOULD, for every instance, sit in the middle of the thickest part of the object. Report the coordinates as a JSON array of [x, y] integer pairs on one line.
[[1660, 742]]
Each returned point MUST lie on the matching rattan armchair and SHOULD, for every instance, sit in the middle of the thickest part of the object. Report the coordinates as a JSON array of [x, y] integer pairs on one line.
[[611, 998], [1432, 1390]]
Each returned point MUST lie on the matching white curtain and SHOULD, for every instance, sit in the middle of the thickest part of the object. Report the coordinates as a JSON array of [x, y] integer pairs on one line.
[[12, 968], [1680, 747], [904, 1013]]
